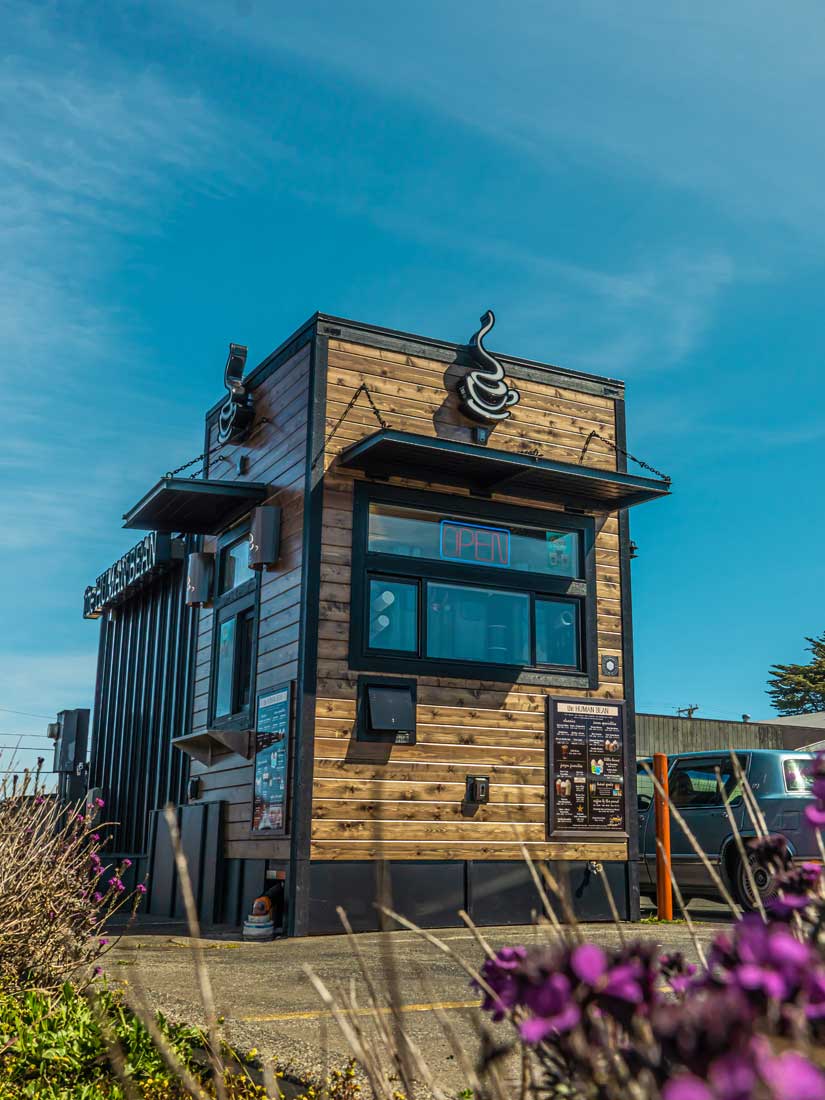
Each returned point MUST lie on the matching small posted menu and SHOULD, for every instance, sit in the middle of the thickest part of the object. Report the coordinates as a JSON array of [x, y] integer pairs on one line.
[[272, 721], [588, 765]]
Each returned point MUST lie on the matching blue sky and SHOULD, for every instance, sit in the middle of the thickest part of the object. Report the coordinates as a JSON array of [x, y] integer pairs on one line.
[[636, 189]]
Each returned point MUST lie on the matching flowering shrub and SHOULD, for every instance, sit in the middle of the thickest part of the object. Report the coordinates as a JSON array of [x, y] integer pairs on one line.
[[605, 1025], [55, 892]]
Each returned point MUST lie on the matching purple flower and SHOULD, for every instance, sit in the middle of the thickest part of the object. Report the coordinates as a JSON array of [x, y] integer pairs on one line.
[[98, 970], [623, 984], [552, 1008], [686, 1087], [96, 837], [141, 889], [79, 817], [588, 962], [97, 897], [99, 803], [39, 800], [793, 1077], [733, 1076], [815, 816], [500, 975], [103, 942], [127, 863]]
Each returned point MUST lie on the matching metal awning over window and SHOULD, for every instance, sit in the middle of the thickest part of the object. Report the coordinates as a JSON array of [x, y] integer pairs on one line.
[[389, 453], [194, 507]]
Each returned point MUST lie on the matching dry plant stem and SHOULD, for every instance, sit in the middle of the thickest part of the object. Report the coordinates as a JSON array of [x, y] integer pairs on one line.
[[740, 847], [754, 812], [398, 1048], [542, 893], [376, 1078], [175, 1066], [477, 936], [564, 901], [459, 1052], [611, 901], [714, 874], [436, 942], [204, 982], [114, 1051], [271, 1086], [820, 844], [680, 898], [372, 993]]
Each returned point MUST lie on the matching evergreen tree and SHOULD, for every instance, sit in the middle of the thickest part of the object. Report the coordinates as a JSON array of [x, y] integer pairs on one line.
[[800, 689]]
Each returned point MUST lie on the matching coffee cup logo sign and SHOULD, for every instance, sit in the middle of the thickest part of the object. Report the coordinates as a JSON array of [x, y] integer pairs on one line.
[[485, 393], [237, 411]]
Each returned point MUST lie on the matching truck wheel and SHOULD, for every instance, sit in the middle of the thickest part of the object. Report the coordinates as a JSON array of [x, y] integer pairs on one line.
[[764, 880]]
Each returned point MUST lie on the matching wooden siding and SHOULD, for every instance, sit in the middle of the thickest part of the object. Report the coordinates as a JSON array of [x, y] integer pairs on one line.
[[276, 450], [405, 802]]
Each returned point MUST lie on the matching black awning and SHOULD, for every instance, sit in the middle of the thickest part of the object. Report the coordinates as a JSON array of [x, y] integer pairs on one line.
[[388, 453], [194, 507]]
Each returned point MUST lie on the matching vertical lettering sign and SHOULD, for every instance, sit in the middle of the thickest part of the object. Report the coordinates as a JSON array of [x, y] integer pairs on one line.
[[471, 542], [587, 773], [272, 727]]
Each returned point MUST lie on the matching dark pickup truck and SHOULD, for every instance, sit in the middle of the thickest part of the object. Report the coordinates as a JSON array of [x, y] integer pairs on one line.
[[782, 789]]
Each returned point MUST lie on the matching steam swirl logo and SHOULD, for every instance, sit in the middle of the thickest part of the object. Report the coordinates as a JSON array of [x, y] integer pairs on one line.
[[484, 392]]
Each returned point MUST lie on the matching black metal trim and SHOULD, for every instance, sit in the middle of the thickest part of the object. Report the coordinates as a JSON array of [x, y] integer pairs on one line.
[[298, 882], [571, 484], [628, 682], [366, 564]]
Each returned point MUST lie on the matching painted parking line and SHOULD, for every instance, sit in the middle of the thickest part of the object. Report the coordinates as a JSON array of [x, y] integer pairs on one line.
[[323, 1013]]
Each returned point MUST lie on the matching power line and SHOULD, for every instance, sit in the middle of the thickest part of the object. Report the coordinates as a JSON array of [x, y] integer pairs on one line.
[[28, 713]]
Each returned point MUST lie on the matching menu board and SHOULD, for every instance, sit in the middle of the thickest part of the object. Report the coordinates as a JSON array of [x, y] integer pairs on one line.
[[272, 726], [587, 762]]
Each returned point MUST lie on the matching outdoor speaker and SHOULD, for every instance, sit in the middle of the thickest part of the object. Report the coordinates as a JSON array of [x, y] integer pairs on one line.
[[265, 536], [200, 574]]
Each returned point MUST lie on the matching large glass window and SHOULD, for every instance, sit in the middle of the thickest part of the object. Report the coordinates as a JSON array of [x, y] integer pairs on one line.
[[478, 624], [233, 668], [469, 588], [415, 533]]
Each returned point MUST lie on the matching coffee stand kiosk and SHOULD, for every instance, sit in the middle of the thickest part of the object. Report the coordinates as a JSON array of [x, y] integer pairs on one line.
[[387, 624]]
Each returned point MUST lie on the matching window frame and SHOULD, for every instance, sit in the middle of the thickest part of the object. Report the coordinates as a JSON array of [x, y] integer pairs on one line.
[[368, 565], [706, 763], [234, 604]]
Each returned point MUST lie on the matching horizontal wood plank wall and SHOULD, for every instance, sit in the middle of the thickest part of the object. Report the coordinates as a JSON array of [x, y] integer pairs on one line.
[[277, 456], [405, 802]]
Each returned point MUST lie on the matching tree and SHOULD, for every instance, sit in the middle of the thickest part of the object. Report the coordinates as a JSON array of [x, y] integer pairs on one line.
[[800, 689]]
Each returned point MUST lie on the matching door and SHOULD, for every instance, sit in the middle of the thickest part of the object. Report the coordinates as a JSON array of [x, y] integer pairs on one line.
[[694, 791]]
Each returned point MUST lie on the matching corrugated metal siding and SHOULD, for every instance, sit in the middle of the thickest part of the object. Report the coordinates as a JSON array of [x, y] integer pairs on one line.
[[144, 699], [665, 733]]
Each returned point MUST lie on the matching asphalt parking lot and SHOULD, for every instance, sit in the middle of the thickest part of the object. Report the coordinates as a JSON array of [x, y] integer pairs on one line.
[[268, 1002]]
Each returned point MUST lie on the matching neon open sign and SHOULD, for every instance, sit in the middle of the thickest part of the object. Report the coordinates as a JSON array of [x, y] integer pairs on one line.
[[471, 542]]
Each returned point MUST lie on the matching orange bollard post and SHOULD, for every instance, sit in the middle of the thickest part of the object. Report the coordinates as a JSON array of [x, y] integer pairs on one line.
[[664, 889]]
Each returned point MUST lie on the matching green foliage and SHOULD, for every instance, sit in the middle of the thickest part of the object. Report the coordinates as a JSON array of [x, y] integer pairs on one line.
[[55, 1047], [800, 689]]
